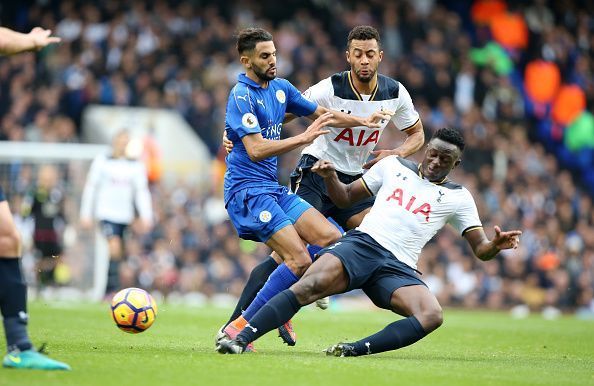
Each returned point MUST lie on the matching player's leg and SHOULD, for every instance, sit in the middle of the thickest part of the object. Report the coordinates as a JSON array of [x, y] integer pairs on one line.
[[255, 282], [309, 225], [325, 277], [261, 217], [114, 234], [398, 289], [13, 301]]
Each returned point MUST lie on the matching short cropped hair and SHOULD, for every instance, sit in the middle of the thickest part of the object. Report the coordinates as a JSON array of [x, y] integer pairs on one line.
[[363, 32], [452, 136], [249, 37]]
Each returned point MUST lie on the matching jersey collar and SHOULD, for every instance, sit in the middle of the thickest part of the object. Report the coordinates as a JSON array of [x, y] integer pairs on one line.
[[357, 93], [243, 78]]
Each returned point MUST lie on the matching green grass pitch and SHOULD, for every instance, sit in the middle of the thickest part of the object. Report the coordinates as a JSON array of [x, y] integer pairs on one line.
[[471, 348]]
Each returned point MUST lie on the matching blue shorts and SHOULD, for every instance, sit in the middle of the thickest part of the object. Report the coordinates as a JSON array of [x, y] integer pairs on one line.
[[257, 214], [2, 196], [111, 229], [372, 268]]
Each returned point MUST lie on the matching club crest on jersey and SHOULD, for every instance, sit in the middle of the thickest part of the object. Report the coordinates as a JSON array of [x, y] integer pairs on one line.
[[249, 120], [280, 96], [265, 216]]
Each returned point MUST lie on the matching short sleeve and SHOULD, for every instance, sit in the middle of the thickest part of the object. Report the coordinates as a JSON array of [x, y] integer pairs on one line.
[[297, 104], [466, 217], [406, 116], [240, 114], [374, 178], [320, 93]]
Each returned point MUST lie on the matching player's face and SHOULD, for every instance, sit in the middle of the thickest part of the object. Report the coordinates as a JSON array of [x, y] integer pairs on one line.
[[119, 144], [440, 158], [364, 56], [262, 61]]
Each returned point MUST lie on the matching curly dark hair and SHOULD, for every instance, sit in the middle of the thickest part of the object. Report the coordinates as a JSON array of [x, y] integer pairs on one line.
[[363, 32], [249, 37], [452, 136]]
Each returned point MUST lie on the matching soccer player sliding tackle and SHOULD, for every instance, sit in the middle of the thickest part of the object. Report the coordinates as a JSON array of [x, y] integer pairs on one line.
[[258, 206], [413, 202], [359, 92]]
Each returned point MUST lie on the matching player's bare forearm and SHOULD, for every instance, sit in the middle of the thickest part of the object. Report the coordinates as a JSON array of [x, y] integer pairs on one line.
[[341, 195], [486, 249], [12, 42], [414, 141], [260, 149], [340, 119]]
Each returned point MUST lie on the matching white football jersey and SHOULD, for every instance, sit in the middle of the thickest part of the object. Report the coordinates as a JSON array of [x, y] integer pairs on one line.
[[409, 209], [348, 148], [114, 188]]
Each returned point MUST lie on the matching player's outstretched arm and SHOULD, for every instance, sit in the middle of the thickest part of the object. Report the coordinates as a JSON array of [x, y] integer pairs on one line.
[[486, 249], [12, 42], [341, 119], [259, 148], [415, 138], [341, 195]]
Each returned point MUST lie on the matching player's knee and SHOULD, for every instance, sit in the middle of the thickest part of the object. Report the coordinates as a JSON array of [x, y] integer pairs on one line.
[[308, 289], [299, 264], [329, 236], [431, 318]]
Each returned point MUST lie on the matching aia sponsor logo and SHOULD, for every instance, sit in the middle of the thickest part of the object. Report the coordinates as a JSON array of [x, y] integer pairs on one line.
[[363, 138], [421, 208]]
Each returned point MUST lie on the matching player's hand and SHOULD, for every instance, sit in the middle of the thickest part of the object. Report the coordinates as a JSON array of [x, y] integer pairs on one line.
[[316, 128], [378, 118], [227, 144], [41, 38], [379, 154], [86, 223], [506, 240], [323, 168]]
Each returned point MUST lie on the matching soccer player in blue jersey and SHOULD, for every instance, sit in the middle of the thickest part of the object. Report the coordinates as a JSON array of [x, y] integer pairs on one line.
[[259, 208], [13, 289]]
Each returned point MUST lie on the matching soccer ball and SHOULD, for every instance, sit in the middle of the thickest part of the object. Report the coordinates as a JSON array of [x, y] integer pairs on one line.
[[134, 310]]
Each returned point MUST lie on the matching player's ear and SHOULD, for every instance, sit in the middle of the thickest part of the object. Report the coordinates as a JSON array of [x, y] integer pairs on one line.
[[245, 60], [381, 55], [348, 56], [457, 162]]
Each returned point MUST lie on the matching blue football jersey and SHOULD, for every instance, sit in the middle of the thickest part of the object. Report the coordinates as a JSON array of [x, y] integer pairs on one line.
[[252, 109]]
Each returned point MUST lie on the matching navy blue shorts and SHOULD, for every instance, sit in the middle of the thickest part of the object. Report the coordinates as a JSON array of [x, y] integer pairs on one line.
[[111, 229], [257, 214], [372, 268], [310, 186], [2, 196]]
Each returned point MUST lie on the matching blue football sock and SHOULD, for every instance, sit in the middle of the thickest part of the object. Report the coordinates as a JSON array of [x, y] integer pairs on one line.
[[273, 314], [281, 279], [255, 282], [13, 304], [394, 336]]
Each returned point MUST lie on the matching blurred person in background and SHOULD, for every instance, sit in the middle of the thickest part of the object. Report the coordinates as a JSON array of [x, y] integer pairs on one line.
[[13, 289], [116, 188], [45, 204]]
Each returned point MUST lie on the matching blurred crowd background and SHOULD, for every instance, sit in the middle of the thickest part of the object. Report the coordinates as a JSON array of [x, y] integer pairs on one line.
[[517, 79]]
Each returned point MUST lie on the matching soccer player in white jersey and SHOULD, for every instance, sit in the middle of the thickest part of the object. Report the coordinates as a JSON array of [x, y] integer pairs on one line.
[[360, 92], [13, 288], [116, 186], [413, 202]]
